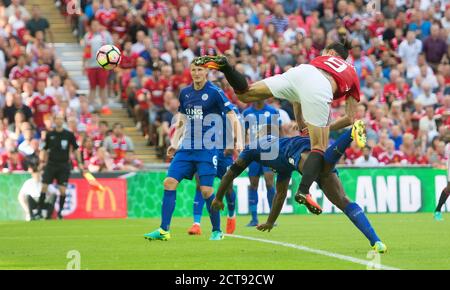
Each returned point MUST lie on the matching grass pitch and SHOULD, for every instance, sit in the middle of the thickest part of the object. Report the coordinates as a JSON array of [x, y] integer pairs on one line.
[[415, 241]]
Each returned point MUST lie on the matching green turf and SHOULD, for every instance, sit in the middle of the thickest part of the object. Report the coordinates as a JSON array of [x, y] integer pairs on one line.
[[415, 241]]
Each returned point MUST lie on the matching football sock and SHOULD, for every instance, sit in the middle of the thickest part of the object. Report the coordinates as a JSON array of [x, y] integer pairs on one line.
[[231, 202], [214, 215], [253, 202], [198, 206], [62, 199], [335, 151], [236, 80], [311, 169], [270, 195], [168, 206], [359, 219], [442, 200]]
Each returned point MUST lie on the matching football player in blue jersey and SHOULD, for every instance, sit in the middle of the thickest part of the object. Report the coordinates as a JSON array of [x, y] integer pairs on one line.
[[194, 147], [224, 161], [257, 117], [292, 153]]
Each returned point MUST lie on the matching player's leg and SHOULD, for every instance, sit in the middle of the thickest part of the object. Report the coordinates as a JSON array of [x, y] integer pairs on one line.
[[268, 178], [32, 204], [50, 205], [442, 199], [207, 171], [62, 178], [315, 162], [231, 206], [199, 202], [236, 80], [224, 163], [178, 170], [254, 172], [47, 178], [332, 187], [337, 149]]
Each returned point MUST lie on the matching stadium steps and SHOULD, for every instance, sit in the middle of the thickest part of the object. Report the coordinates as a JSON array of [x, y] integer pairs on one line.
[[148, 154], [69, 51], [60, 27]]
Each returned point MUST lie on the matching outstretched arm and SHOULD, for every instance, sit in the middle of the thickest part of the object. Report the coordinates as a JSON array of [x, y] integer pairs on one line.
[[177, 136], [277, 205], [237, 131], [299, 116], [348, 118], [227, 180]]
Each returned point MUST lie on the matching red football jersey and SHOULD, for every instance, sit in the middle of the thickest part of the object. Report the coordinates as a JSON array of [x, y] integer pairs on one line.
[[106, 17], [343, 73], [17, 73], [352, 154], [394, 158], [157, 88], [207, 23], [42, 106], [223, 38], [41, 73], [128, 61]]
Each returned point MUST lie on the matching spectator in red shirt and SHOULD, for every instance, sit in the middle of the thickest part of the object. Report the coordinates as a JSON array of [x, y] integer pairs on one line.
[[42, 106], [352, 153], [12, 161], [391, 156]]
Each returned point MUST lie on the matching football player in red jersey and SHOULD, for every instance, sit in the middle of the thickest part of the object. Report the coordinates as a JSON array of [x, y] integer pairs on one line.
[[311, 88]]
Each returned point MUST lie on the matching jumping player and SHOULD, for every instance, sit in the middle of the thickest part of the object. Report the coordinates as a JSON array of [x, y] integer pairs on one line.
[[310, 87], [199, 102], [224, 161], [292, 155]]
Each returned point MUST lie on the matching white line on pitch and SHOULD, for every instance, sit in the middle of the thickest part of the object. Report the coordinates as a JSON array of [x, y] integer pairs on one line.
[[315, 251]]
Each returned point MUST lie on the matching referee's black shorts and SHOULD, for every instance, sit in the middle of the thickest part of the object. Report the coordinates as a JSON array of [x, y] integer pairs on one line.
[[60, 172]]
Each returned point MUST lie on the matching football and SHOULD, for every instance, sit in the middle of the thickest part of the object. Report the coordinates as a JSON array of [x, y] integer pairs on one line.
[[108, 56]]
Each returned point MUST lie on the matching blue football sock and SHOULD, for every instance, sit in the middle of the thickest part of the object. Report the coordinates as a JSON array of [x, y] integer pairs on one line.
[[270, 195], [253, 202], [214, 215], [359, 219], [198, 206], [335, 151], [168, 206], [231, 202]]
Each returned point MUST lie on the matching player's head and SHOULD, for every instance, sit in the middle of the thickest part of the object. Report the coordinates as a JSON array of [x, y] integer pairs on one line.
[[337, 49], [59, 120], [199, 74]]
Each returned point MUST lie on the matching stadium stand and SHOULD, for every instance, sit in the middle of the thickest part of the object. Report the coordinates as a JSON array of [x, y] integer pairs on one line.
[[400, 52]]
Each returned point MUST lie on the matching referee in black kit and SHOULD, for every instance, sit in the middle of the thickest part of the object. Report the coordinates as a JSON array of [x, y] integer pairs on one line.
[[56, 158]]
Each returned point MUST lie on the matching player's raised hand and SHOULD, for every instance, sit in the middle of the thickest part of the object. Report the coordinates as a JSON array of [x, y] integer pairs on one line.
[[217, 204], [264, 227], [171, 151]]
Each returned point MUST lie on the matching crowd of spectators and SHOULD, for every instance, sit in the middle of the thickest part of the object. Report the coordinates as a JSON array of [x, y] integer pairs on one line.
[[400, 52], [34, 87]]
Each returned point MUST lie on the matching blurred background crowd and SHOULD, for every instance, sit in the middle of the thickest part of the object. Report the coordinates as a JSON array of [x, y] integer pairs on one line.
[[400, 52]]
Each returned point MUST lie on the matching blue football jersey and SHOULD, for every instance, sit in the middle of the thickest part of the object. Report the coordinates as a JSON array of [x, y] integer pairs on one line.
[[280, 154], [227, 132], [255, 120], [204, 110]]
